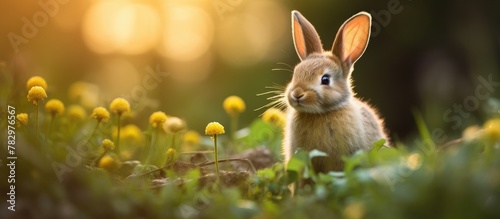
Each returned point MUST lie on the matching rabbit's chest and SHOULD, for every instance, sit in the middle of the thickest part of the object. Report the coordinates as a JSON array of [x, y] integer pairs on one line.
[[340, 134]]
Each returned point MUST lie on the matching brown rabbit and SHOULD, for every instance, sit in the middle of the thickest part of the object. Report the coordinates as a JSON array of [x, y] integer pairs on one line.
[[322, 111]]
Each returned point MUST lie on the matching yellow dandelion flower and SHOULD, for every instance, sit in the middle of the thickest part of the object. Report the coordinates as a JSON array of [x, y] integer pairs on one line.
[[76, 90], [100, 114], [414, 161], [54, 107], [130, 133], [76, 113], [86, 94], [214, 128], [157, 119], [109, 163], [174, 125], [191, 140], [472, 132], [119, 106], [129, 116], [172, 156], [36, 93], [274, 116], [108, 144], [192, 137], [492, 128], [354, 210], [234, 105], [126, 154], [36, 81], [23, 119]]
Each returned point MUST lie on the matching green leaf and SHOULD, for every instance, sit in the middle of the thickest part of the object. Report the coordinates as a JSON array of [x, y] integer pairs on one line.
[[302, 155], [295, 164], [259, 132], [351, 162], [267, 174], [424, 131], [336, 174], [317, 153], [383, 156], [378, 144], [290, 177], [324, 178], [278, 167], [263, 133]]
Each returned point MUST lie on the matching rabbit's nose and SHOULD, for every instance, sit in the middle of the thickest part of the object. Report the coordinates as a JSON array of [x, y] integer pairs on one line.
[[297, 94]]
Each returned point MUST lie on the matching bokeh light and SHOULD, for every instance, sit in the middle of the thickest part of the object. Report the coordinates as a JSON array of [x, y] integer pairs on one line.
[[231, 46], [188, 32], [121, 26], [117, 77], [192, 71], [84, 93], [252, 35]]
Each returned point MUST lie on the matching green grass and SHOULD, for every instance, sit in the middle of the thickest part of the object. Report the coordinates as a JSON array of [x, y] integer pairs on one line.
[[421, 180]]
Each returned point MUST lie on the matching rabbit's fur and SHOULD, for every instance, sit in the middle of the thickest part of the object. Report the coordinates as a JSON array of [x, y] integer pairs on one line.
[[322, 111]]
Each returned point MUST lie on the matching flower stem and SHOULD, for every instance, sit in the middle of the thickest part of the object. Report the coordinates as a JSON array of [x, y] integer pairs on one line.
[[93, 132], [234, 128], [152, 147], [36, 119], [216, 154], [173, 142], [51, 124], [96, 161], [118, 136]]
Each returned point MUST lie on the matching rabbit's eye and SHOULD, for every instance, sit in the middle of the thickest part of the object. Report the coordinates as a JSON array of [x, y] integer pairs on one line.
[[325, 80]]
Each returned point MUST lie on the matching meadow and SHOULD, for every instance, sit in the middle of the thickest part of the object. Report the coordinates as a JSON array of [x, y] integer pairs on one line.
[[90, 163], [175, 109]]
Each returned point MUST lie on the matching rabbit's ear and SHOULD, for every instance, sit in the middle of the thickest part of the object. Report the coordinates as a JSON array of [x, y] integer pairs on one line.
[[305, 37], [352, 38]]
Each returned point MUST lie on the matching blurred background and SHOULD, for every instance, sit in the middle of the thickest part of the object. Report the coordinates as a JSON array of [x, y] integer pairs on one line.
[[185, 57]]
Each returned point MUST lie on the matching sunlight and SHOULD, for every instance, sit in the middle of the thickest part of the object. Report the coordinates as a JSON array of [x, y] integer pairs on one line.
[[249, 37], [121, 26], [187, 33]]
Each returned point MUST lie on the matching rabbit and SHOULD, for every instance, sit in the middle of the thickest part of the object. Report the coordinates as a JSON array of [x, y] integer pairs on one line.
[[322, 111]]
